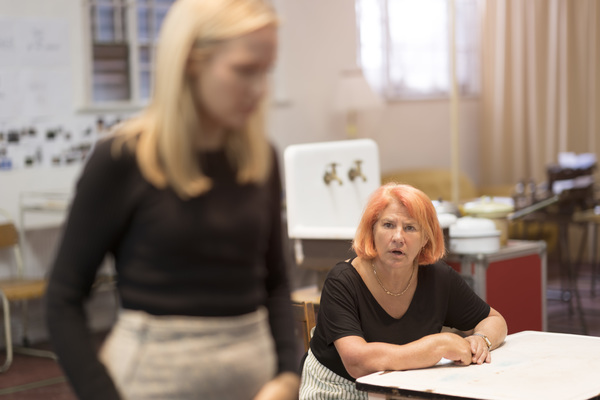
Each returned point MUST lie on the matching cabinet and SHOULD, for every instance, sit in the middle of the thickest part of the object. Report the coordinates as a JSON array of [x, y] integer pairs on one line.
[[511, 280]]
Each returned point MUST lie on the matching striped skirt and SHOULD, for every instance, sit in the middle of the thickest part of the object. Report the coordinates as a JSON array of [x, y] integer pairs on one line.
[[321, 383], [175, 357]]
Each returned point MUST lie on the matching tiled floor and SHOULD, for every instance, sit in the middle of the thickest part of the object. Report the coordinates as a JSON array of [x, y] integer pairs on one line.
[[32, 378]]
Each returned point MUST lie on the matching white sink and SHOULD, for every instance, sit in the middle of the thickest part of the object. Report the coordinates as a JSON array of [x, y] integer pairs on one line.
[[320, 210]]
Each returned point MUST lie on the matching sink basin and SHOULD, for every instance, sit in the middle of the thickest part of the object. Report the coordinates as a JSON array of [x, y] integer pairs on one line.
[[323, 205]]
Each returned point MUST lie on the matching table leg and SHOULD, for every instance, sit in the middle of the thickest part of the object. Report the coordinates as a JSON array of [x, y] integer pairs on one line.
[[571, 273], [595, 256]]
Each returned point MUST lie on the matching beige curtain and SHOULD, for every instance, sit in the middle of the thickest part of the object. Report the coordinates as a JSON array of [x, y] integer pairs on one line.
[[541, 85]]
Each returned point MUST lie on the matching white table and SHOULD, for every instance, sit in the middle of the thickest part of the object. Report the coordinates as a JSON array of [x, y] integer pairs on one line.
[[529, 365]]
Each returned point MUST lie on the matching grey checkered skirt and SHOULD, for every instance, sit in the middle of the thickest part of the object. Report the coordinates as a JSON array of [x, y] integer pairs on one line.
[[178, 357]]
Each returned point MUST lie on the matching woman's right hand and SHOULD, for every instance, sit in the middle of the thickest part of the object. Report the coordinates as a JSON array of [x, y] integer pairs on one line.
[[454, 347]]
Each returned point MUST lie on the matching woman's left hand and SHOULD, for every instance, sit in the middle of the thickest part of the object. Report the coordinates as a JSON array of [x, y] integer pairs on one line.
[[284, 386], [479, 349]]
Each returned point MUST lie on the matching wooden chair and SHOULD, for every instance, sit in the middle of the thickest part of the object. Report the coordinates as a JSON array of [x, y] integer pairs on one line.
[[17, 288], [305, 316]]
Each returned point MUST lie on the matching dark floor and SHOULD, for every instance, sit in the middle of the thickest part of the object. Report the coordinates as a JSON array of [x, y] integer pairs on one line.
[[578, 317], [32, 378]]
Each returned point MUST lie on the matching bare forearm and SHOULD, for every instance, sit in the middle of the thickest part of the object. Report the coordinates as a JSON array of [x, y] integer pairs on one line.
[[361, 358], [384, 356], [494, 327]]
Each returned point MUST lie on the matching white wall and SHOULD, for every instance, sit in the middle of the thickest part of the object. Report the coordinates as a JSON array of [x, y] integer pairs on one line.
[[417, 135], [42, 231], [318, 42]]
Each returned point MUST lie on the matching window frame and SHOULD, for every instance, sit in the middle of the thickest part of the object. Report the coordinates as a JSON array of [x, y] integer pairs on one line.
[[385, 88], [133, 43]]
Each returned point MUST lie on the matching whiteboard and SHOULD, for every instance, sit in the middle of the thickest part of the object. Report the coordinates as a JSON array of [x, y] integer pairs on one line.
[[35, 77]]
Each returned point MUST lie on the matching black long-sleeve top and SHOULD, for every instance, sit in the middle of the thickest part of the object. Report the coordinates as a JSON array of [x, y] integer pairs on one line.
[[218, 254]]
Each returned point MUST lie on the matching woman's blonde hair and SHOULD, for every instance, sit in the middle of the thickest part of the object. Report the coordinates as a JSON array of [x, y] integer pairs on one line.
[[165, 134], [419, 207]]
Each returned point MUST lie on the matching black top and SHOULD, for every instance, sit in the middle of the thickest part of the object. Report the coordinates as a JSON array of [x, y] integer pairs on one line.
[[442, 298], [218, 254]]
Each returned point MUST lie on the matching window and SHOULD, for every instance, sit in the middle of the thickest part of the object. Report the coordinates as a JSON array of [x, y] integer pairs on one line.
[[404, 47], [123, 42]]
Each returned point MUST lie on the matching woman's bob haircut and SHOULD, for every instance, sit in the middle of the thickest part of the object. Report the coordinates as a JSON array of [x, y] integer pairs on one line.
[[165, 135], [419, 207]]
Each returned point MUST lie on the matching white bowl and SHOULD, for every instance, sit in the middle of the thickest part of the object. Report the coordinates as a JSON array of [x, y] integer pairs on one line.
[[471, 235], [446, 220], [487, 207]]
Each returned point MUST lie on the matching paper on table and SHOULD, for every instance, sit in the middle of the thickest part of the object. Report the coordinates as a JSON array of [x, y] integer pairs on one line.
[[444, 361]]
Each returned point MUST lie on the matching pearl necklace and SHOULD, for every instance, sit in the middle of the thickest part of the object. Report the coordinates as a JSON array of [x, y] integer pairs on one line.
[[387, 291]]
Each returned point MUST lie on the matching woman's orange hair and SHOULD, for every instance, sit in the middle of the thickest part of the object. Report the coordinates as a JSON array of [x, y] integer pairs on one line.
[[419, 207]]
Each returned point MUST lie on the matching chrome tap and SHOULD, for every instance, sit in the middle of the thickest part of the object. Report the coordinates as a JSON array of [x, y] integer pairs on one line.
[[331, 175], [356, 172]]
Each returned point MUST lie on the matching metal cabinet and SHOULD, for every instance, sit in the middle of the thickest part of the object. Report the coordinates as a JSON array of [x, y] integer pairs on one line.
[[511, 280]]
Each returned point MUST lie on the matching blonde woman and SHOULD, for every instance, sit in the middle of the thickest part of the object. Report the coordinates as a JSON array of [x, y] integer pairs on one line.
[[186, 197]]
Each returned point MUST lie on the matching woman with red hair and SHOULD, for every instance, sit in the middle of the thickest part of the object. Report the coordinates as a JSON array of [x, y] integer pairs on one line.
[[385, 308]]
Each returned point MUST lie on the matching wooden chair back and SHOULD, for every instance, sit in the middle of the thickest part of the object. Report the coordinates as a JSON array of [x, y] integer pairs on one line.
[[8, 235], [305, 317]]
